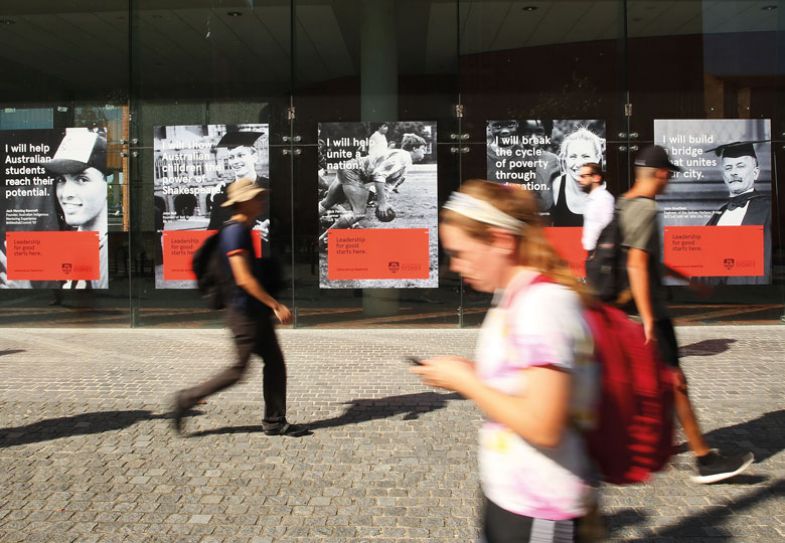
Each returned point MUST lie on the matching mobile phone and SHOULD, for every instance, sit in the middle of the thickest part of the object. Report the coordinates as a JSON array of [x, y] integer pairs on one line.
[[413, 360]]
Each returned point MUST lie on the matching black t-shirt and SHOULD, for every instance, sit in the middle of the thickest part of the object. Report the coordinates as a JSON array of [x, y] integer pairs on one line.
[[236, 239]]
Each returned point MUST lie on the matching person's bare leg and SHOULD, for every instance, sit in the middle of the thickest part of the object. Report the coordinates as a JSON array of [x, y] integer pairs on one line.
[[687, 417]]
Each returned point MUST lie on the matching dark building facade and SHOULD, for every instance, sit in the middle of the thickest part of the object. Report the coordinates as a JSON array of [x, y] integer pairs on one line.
[[146, 72]]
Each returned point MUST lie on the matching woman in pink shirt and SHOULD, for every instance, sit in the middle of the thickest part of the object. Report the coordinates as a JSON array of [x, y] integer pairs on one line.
[[533, 377]]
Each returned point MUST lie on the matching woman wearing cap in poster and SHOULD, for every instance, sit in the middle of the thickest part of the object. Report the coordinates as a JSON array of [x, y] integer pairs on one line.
[[384, 171], [79, 167], [569, 198], [242, 158]]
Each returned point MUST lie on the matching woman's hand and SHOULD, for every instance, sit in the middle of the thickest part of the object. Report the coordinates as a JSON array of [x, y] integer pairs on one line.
[[448, 372]]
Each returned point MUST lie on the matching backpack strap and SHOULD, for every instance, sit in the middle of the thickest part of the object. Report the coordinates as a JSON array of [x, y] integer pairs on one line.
[[518, 287]]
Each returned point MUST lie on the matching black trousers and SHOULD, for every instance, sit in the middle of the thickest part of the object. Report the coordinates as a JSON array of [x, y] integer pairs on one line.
[[252, 335], [501, 526]]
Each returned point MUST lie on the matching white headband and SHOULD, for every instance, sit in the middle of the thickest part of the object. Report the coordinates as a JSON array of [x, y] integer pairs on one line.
[[482, 211]]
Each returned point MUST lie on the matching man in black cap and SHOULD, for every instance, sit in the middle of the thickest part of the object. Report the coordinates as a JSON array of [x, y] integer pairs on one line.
[[740, 170], [641, 238], [242, 158]]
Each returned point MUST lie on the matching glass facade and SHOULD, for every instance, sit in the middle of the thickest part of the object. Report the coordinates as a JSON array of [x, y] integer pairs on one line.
[[130, 67]]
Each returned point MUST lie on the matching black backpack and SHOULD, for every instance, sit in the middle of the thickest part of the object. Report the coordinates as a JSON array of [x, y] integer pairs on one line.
[[606, 267], [212, 277]]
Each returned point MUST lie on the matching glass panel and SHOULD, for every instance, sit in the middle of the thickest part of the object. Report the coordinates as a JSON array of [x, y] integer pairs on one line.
[[534, 78], [65, 65], [704, 74], [359, 64], [201, 73]]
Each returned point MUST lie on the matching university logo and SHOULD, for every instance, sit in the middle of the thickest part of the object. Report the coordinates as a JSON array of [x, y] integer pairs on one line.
[[66, 267], [394, 266], [729, 263]]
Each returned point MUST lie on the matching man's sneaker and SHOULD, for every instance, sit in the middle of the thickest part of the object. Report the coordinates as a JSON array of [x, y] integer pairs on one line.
[[715, 467], [286, 429], [178, 412]]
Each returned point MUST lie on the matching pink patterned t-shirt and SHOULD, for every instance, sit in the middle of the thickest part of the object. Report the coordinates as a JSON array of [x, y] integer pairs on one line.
[[537, 325]]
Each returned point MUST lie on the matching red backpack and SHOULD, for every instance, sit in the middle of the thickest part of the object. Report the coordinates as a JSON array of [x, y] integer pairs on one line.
[[633, 434]]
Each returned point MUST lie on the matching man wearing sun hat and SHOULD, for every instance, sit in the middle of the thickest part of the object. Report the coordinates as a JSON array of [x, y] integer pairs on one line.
[[249, 314]]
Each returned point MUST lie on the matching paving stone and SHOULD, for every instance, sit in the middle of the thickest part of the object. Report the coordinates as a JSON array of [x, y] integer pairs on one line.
[[88, 454]]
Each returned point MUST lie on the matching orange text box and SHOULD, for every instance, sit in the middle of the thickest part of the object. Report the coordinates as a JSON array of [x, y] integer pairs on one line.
[[567, 242], [714, 251], [53, 256], [179, 247], [378, 254]]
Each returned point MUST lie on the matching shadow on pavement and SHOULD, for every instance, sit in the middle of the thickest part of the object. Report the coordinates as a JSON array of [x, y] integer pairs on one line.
[[707, 347], [709, 524], [12, 351], [84, 424], [623, 518], [765, 435], [363, 410]]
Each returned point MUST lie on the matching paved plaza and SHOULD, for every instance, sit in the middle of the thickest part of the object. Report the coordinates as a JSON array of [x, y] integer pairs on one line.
[[87, 453]]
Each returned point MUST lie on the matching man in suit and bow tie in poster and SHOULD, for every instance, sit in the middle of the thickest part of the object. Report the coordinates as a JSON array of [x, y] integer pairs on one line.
[[745, 205]]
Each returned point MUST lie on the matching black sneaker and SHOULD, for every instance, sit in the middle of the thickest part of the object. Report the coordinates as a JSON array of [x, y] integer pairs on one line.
[[286, 429], [178, 412], [715, 467]]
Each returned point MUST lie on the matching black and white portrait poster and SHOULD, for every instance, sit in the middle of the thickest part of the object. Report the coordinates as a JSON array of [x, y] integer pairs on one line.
[[545, 157], [53, 206], [194, 165], [716, 212], [378, 208]]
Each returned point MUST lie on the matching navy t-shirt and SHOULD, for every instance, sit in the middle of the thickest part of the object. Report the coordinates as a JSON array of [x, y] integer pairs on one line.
[[236, 239]]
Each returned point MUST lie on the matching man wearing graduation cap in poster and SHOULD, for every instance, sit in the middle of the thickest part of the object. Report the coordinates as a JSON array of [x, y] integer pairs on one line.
[[242, 158], [745, 205]]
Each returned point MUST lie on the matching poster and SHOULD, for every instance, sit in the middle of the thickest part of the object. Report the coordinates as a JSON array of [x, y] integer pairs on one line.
[[193, 166], [378, 208], [54, 224], [545, 156], [716, 213]]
